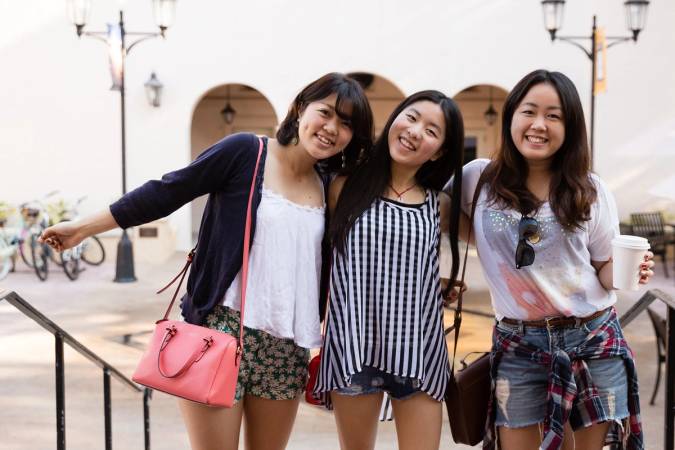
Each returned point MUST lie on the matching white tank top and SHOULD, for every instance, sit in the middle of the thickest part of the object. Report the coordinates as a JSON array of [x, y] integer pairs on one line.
[[282, 296]]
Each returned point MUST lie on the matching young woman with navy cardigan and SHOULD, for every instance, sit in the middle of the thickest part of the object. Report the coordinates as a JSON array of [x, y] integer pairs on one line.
[[328, 127]]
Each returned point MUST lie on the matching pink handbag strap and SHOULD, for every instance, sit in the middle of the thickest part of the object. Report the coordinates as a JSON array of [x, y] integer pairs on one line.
[[197, 354], [244, 263]]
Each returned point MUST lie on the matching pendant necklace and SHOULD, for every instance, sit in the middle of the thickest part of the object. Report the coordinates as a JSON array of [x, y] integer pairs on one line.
[[400, 194]]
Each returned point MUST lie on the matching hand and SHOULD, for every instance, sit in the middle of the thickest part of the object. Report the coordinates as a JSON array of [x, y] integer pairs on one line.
[[62, 236], [453, 295], [646, 271]]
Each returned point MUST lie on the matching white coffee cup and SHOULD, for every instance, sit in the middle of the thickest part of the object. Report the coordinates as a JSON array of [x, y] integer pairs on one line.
[[628, 253]]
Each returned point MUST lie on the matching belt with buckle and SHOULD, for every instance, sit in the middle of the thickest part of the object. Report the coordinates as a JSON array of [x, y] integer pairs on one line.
[[553, 322]]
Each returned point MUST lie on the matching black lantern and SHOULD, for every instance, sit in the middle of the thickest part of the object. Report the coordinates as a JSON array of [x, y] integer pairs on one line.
[[153, 90], [636, 16], [490, 114], [228, 112]]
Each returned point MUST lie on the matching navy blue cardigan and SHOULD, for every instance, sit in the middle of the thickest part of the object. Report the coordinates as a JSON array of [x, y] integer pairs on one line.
[[223, 171]]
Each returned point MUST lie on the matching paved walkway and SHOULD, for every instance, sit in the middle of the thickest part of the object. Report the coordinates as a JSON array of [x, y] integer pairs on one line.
[[98, 312]]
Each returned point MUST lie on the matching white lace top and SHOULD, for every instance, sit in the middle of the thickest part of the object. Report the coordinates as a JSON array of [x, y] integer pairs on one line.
[[282, 296]]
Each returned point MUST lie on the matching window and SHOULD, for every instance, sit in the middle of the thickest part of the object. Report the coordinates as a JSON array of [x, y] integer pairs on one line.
[[470, 147]]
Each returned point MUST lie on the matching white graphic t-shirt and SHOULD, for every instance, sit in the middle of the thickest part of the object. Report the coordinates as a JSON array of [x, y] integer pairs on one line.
[[561, 281]]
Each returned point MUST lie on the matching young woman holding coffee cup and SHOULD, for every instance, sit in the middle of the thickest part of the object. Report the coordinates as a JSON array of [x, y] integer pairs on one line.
[[563, 375]]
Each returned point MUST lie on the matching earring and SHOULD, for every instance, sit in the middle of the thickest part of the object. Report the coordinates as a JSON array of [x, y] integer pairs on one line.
[[344, 160], [296, 138]]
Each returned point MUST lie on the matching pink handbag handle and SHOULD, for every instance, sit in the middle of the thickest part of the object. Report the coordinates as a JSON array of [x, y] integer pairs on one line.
[[196, 355], [244, 266]]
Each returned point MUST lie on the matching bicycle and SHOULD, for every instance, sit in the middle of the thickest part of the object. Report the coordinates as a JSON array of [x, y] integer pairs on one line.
[[91, 251], [8, 242], [68, 260], [16, 239], [40, 252]]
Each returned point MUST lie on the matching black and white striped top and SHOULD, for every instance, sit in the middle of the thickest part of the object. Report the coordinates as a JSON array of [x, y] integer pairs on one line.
[[385, 308]]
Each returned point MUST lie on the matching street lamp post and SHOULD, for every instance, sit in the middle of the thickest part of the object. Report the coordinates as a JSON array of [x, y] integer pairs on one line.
[[119, 48], [636, 15]]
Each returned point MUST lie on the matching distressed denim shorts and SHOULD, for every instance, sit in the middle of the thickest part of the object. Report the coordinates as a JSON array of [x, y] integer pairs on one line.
[[522, 384], [372, 380]]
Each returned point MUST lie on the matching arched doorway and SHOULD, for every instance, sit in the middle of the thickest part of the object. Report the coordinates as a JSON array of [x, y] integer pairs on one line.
[[382, 94], [223, 110], [481, 107]]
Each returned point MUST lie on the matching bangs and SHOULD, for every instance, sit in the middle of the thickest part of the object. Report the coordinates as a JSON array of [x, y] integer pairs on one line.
[[344, 107], [350, 105]]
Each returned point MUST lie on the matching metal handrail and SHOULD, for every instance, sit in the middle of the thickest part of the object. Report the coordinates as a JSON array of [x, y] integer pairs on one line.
[[61, 337], [625, 319]]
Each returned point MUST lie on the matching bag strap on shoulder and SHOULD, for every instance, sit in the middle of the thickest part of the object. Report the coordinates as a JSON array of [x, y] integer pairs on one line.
[[245, 257]]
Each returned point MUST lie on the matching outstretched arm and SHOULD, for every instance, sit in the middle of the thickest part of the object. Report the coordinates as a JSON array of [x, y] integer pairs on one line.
[[211, 171]]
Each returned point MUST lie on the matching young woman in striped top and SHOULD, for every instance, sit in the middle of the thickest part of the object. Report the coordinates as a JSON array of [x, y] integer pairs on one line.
[[385, 321]]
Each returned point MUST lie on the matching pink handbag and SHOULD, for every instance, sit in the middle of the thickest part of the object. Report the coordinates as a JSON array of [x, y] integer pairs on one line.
[[194, 362]]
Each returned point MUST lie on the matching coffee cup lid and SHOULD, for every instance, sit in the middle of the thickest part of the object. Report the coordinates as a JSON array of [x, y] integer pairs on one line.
[[634, 242]]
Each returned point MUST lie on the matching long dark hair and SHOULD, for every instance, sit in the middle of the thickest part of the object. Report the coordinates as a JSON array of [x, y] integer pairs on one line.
[[372, 176], [571, 191], [351, 104]]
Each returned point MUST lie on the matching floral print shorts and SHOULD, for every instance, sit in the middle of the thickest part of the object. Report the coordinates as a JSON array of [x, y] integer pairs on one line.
[[271, 367]]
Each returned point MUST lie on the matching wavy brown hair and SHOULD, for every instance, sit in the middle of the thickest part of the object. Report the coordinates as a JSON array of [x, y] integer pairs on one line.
[[572, 191]]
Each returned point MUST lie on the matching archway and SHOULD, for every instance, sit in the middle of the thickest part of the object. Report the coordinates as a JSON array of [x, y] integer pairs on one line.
[[481, 107], [249, 111], [382, 94]]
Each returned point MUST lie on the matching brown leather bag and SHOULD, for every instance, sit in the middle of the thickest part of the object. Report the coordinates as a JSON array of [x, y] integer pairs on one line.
[[466, 399], [468, 391]]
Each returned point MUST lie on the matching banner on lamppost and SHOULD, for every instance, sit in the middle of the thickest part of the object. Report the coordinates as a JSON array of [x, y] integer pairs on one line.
[[115, 55], [600, 61]]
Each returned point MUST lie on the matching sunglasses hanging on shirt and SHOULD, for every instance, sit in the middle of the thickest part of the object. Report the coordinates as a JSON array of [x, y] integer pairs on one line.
[[528, 233]]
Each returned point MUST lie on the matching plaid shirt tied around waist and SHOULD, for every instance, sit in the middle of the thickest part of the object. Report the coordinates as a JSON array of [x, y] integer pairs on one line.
[[570, 380]]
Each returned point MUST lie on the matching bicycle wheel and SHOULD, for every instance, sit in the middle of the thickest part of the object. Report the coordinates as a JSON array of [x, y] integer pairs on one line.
[[70, 261], [40, 254], [55, 258], [5, 258], [93, 252], [24, 251]]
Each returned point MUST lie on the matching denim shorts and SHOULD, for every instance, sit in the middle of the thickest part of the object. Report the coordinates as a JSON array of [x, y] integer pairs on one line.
[[372, 380], [521, 388]]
